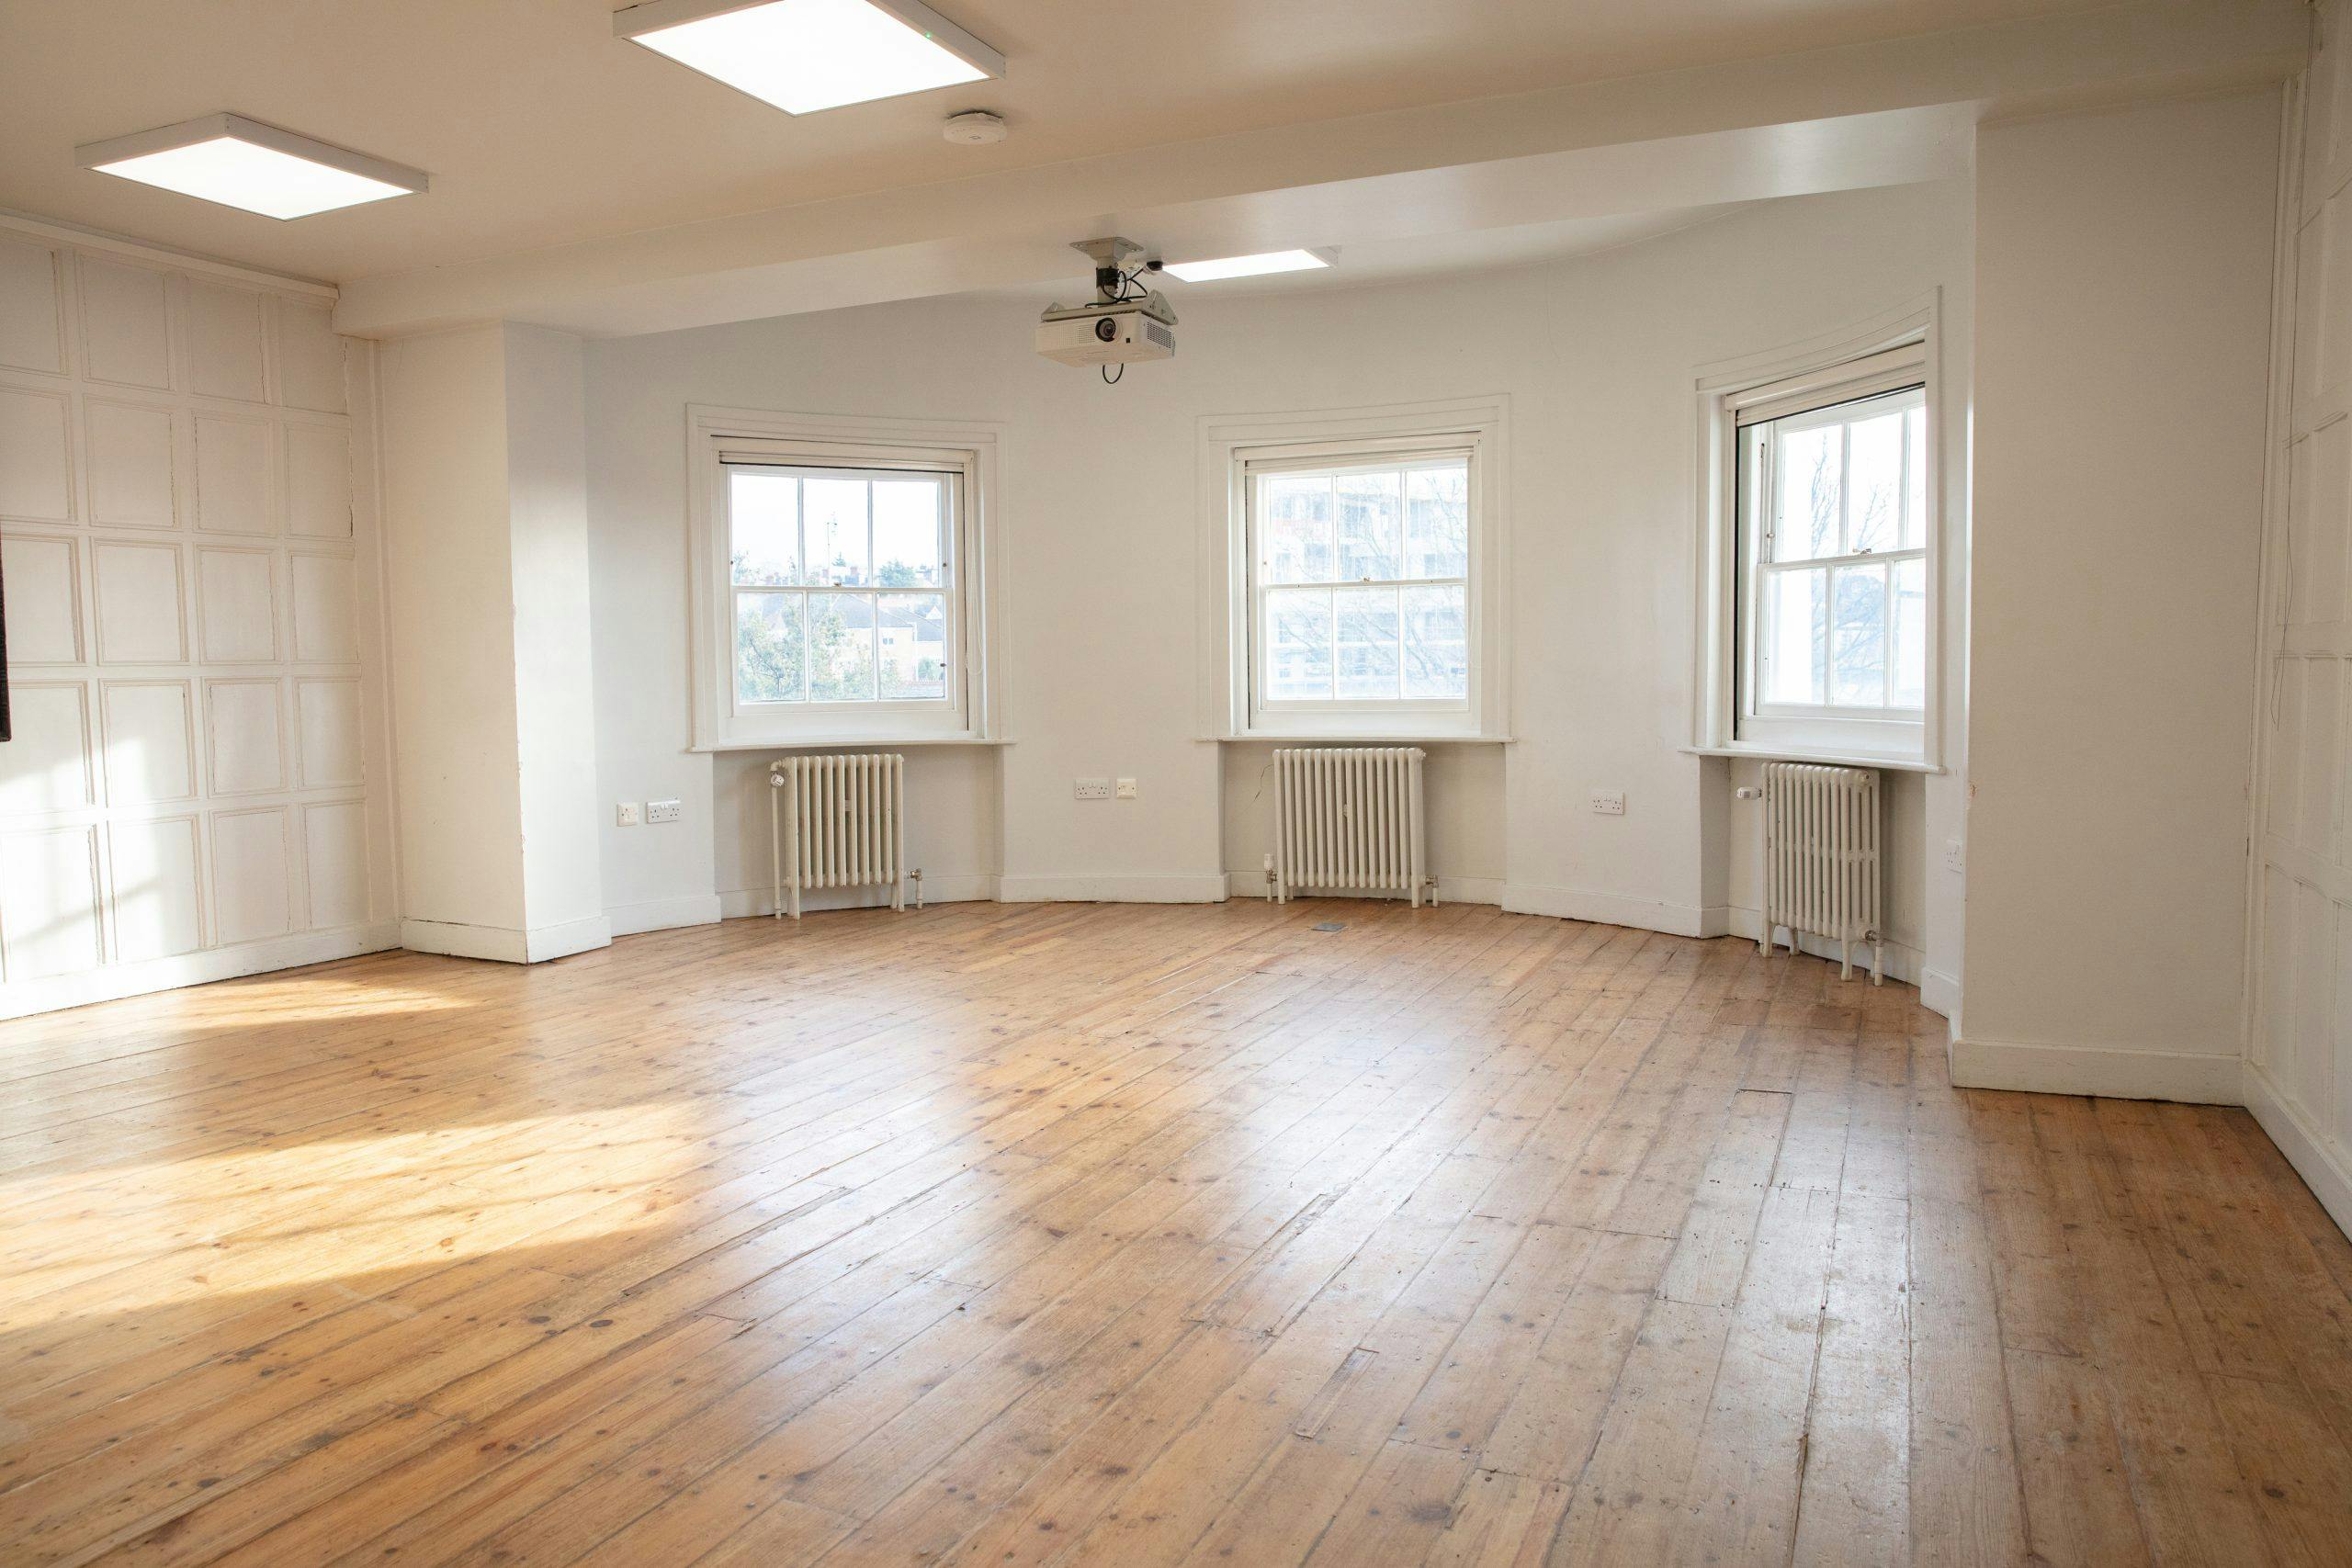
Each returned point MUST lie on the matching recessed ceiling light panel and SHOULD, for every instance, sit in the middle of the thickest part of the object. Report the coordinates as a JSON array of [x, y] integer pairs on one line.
[[243, 163], [803, 55], [1249, 266]]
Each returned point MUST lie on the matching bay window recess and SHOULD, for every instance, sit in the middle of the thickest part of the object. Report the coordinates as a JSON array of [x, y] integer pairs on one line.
[[1824, 619]]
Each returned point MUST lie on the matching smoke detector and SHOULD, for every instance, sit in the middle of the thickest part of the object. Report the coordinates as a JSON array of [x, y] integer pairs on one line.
[[973, 128]]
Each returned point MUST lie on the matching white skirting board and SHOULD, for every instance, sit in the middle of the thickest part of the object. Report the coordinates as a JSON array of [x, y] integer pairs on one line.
[[2199, 1078], [1153, 888], [2323, 1162], [1450, 889], [507, 944], [665, 914], [48, 995], [1608, 909], [742, 903]]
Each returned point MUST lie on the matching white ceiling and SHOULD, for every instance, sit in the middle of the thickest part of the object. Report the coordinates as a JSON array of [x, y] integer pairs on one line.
[[541, 130]]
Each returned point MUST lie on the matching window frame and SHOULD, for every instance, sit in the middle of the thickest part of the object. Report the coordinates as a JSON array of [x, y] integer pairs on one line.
[[1235, 448], [1897, 353], [1758, 519], [969, 455], [1389, 457]]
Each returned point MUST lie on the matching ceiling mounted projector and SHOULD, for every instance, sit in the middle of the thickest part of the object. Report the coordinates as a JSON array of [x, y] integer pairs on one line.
[[1122, 324]]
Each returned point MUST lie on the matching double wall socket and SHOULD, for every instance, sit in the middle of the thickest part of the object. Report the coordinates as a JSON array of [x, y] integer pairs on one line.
[[628, 814], [1093, 789], [1609, 802]]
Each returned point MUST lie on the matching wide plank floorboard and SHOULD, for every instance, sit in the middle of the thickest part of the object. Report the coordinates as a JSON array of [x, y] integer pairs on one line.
[[1035, 1234]]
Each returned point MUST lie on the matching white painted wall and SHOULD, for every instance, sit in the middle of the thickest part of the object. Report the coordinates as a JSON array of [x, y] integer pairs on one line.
[[1100, 650], [2124, 302], [195, 788], [486, 546], [2298, 1055]]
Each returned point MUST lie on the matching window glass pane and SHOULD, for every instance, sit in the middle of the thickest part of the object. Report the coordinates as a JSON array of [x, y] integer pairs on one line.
[[1914, 509], [1297, 666], [1874, 483], [1793, 616], [836, 532], [1369, 520], [912, 632], [763, 514], [768, 646], [1367, 665], [907, 536], [1437, 642], [1437, 523], [841, 648], [1911, 634], [1857, 637], [1807, 465], [1294, 528]]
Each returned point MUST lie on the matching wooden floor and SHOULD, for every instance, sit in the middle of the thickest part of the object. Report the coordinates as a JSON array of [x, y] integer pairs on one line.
[[1134, 1235]]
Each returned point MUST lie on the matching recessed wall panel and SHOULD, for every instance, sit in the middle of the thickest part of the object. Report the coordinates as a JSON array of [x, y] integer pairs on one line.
[[44, 599], [232, 475], [32, 305], [48, 902], [126, 322], [147, 735], [138, 595], [133, 483], [317, 481], [326, 610], [309, 356], [334, 859], [327, 717], [249, 875], [46, 766], [244, 737], [36, 456], [224, 343], [236, 606], [155, 878]]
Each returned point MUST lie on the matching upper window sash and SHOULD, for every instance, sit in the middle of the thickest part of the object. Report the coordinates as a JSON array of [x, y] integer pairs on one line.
[[1404, 459]]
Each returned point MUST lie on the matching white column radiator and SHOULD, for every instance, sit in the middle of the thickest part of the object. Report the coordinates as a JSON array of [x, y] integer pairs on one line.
[[840, 821], [1821, 859], [1347, 819]]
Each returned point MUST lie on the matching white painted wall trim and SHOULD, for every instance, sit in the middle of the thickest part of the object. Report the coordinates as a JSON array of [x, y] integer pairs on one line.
[[504, 943], [2202, 1079], [2324, 1163], [743, 903], [1149, 887], [187, 261], [1485, 890], [84, 987], [1939, 993], [1612, 910], [664, 914]]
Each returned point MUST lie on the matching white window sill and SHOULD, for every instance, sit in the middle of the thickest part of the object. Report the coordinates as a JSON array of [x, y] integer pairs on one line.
[[1891, 764], [814, 742]]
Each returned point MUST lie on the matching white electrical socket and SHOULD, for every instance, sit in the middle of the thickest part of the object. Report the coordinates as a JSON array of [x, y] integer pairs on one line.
[[1609, 802], [1126, 789], [664, 810], [1093, 789], [630, 814], [1954, 857]]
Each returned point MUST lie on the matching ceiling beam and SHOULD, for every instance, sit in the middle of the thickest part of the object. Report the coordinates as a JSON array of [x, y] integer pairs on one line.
[[1857, 115]]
